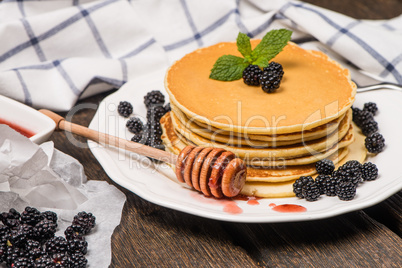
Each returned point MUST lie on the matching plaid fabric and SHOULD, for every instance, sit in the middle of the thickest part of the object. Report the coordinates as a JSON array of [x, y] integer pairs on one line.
[[54, 52]]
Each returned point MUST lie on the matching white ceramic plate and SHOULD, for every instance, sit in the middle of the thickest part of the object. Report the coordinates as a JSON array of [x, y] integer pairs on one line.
[[157, 183], [28, 118]]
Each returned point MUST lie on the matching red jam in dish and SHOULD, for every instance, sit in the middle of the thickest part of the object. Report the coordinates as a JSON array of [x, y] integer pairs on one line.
[[27, 133]]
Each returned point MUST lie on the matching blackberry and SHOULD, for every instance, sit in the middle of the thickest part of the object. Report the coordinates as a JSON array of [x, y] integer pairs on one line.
[[347, 175], [167, 108], [45, 229], [369, 171], [355, 112], [76, 245], [78, 260], [154, 129], [12, 253], [251, 75], [271, 77], [369, 127], [11, 218], [154, 98], [21, 234], [139, 138], [30, 216], [50, 216], [155, 113], [371, 107], [33, 249], [311, 191], [362, 117], [346, 190], [375, 143], [85, 220], [352, 164], [44, 261], [299, 183], [135, 125], [125, 108], [61, 259], [56, 244], [320, 180], [73, 232], [325, 167], [22, 262], [155, 142], [330, 186]]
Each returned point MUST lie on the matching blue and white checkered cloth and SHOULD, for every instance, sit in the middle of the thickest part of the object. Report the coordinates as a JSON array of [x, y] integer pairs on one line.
[[53, 53]]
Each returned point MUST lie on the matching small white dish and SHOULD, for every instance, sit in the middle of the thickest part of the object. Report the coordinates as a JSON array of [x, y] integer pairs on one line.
[[22, 117]]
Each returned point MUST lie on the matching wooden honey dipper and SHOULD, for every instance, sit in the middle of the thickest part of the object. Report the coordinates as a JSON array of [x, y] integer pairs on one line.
[[212, 171]]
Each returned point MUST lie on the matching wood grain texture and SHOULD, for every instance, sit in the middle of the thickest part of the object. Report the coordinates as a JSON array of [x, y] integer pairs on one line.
[[154, 236]]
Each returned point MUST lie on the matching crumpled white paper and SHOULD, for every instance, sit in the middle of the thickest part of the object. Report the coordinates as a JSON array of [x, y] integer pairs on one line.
[[43, 177]]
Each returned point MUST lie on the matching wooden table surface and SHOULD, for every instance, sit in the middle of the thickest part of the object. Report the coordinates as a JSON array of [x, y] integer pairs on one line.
[[154, 236]]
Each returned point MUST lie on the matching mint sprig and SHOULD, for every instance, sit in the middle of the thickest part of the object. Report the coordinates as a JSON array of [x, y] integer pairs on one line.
[[229, 67]]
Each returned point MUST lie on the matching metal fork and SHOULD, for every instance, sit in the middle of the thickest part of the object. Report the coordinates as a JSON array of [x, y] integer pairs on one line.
[[379, 86]]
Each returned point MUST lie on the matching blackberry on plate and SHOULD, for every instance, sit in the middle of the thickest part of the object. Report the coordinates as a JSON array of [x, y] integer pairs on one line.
[[375, 143], [139, 138], [50, 216], [271, 77], [362, 117], [155, 142], [311, 191], [77, 245], [154, 98], [320, 180], [85, 220], [369, 171], [167, 108], [371, 107], [355, 113], [45, 229], [251, 75], [135, 125], [299, 183], [30, 216], [125, 108], [56, 244], [369, 127], [154, 129], [330, 186], [155, 113], [350, 171], [346, 190], [325, 167], [78, 260]]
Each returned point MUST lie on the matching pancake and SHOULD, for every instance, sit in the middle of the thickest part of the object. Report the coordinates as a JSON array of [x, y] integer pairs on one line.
[[314, 91], [234, 138], [306, 148]]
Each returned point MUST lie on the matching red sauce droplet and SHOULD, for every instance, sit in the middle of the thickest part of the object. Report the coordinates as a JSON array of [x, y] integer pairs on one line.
[[289, 208], [27, 133], [272, 205], [253, 202], [232, 208]]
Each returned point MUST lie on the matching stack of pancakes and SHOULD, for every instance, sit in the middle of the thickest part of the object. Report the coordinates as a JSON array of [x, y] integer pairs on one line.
[[281, 135]]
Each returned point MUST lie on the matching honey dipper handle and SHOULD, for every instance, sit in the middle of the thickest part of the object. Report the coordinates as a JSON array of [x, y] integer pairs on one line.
[[103, 138]]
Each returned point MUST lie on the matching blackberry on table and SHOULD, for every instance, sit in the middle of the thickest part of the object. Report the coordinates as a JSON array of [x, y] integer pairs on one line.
[[30, 216], [369, 171], [371, 107], [44, 261], [125, 108], [61, 259], [271, 77], [155, 113], [33, 249], [77, 245], [135, 125], [320, 180], [73, 232], [325, 167], [369, 127], [21, 234], [50, 216], [346, 190], [375, 143], [299, 183], [78, 260], [45, 229], [251, 75], [12, 253], [11, 218], [311, 191], [56, 244], [154, 98], [85, 220], [22, 262]]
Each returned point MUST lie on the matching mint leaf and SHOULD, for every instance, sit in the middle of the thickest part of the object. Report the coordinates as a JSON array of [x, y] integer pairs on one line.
[[243, 44], [228, 68], [271, 44]]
